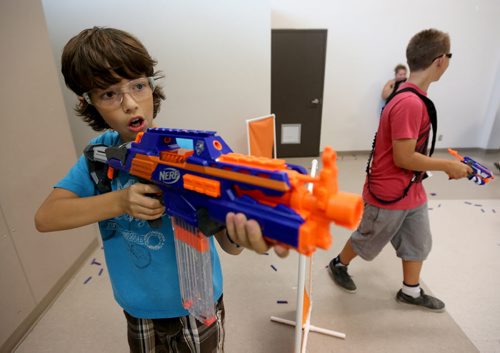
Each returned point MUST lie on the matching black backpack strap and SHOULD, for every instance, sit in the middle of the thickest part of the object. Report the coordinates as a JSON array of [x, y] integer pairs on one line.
[[417, 177], [431, 110], [394, 90], [382, 201]]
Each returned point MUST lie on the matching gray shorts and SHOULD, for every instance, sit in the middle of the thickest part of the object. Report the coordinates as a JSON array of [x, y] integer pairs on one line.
[[408, 231]]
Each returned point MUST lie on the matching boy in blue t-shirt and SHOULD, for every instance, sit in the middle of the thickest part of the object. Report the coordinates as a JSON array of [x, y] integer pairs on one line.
[[113, 76]]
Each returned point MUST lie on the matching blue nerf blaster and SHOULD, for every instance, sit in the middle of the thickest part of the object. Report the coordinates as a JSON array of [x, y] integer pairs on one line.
[[480, 174], [201, 185]]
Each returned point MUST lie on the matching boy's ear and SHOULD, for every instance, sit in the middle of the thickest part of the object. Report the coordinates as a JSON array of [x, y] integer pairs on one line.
[[440, 61]]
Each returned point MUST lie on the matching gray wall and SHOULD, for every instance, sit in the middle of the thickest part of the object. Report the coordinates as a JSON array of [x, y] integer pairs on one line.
[[36, 149]]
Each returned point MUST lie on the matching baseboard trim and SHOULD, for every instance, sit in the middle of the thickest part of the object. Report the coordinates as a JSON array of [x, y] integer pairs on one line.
[[27, 324]]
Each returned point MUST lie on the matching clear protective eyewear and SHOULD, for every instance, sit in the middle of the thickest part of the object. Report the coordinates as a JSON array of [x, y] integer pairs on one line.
[[139, 89]]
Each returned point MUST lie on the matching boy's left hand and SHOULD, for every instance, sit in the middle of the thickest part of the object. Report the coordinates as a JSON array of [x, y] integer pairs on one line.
[[247, 233]]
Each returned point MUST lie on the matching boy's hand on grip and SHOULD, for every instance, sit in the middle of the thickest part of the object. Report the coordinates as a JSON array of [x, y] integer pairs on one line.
[[248, 234], [138, 203], [458, 170]]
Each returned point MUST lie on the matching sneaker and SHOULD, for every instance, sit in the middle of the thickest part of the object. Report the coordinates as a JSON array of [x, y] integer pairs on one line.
[[497, 165], [341, 277], [426, 301]]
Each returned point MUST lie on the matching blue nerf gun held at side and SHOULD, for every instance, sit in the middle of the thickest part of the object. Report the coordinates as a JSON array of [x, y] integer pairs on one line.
[[202, 184], [480, 174]]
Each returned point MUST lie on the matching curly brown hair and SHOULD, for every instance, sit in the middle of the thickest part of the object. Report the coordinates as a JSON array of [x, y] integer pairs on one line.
[[99, 57], [425, 46]]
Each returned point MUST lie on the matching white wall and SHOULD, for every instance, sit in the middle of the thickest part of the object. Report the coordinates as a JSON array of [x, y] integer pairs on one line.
[[215, 56], [490, 137], [366, 39]]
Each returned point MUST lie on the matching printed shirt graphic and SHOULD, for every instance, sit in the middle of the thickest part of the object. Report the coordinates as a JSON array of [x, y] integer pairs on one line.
[[405, 117], [141, 260]]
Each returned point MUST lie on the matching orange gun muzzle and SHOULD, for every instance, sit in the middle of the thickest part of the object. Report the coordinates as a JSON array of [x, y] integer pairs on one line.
[[325, 205]]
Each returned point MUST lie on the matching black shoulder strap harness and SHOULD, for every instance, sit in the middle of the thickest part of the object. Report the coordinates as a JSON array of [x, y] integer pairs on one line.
[[418, 176], [97, 169], [395, 89]]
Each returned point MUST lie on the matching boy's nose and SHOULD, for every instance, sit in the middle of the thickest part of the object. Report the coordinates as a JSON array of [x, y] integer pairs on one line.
[[128, 102]]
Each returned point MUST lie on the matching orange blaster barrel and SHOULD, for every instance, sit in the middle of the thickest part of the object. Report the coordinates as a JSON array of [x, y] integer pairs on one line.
[[316, 210], [326, 204]]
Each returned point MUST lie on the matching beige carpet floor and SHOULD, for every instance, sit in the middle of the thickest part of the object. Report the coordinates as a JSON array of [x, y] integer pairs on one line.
[[463, 270]]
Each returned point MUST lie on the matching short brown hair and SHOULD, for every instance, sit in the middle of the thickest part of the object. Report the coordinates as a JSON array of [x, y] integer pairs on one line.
[[100, 57], [425, 46], [399, 67]]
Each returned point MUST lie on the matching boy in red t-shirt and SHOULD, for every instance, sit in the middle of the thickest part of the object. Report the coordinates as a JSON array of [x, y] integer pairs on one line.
[[396, 208]]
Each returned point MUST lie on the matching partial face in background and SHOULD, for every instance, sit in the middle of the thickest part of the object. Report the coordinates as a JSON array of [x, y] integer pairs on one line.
[[401, 75]]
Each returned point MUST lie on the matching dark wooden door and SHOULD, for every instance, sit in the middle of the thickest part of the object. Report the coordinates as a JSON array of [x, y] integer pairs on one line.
[[297, 78]]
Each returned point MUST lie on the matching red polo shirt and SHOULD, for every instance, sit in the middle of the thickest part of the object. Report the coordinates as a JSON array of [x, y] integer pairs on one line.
[[405, 117]]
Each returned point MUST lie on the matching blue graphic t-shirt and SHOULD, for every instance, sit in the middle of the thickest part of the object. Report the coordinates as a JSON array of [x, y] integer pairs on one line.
[[141, 260]]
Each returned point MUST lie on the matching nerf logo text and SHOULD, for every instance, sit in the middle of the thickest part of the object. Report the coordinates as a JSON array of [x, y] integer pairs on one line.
[[169, 175]]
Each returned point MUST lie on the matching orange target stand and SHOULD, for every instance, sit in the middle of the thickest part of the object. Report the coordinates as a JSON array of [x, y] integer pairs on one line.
[[304, 301], [261, 137]]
